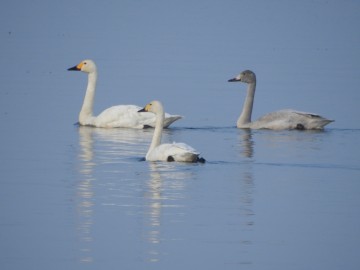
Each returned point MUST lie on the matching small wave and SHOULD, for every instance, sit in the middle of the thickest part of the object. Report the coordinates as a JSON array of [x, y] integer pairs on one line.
[[307, 165]]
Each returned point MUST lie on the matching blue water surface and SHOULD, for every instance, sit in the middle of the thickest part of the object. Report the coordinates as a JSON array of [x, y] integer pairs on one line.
[[76, 197]]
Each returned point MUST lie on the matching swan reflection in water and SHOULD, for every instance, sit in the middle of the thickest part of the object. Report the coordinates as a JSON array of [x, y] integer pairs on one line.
[[116, 145], [164, 196], [269, 143], [100, 146], [162, 192], [247, 143], [246, 146], [84, 196]]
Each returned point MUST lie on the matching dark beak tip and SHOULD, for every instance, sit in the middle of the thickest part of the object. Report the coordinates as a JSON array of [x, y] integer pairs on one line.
[[142, 110], [73, 68]]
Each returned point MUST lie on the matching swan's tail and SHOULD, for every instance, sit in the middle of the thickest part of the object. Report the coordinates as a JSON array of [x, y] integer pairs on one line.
[[195, 158], [169, 119], [310, 121], [320, 123]]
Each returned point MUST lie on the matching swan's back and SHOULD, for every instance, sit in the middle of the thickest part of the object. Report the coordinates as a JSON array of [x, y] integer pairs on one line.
[[123, 116], [290, 119], [174, 152]]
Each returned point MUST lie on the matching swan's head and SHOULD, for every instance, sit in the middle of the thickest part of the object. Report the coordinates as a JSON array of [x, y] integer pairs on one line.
[[246, 76], [87, 66], [154, 107]]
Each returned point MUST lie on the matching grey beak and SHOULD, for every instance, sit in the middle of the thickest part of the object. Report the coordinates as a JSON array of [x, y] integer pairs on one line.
[[233, 80]]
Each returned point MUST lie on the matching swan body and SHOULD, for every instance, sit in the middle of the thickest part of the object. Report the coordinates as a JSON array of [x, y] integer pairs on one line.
[[115, 116], [279, 120], [168, 151]]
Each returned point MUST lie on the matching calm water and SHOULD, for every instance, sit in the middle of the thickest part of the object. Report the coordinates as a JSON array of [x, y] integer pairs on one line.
[[263, 200], [83, 198]]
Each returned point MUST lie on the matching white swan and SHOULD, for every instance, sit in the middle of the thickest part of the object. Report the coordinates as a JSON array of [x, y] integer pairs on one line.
[[283, 119], [167, 152], [116, 116]]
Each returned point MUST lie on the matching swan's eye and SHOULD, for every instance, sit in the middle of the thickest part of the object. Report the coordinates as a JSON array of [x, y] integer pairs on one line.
[[85, 63]]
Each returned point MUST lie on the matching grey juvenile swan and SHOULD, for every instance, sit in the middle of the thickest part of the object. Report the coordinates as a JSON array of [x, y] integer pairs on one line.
[[279, 120]]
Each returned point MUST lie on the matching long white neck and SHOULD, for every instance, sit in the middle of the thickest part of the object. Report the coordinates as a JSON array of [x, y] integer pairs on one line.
[[86, 112], [159, 125], [245, 116]]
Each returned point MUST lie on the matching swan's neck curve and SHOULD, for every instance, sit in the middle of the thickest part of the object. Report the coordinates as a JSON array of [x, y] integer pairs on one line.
[[245, 116], [86, 113], [159, 125]]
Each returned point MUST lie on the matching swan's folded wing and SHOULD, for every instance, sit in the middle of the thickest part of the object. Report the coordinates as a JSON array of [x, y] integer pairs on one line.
[[125, 116], [129, 116], [307, 114]]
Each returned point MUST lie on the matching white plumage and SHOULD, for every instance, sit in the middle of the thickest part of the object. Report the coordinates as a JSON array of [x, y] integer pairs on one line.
[[283, 119], [116, 116], [168, 151]]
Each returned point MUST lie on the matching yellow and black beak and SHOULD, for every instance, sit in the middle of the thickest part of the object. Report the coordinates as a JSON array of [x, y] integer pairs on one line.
[[77, 67], [146, 108], [74, 68]]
